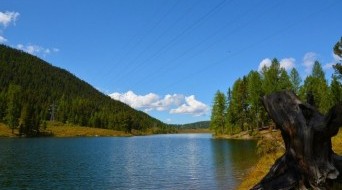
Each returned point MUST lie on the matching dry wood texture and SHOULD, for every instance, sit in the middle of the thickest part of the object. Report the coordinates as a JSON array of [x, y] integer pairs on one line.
[[309, 161]]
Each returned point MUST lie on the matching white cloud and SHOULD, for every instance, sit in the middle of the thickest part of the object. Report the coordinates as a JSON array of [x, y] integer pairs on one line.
[[3, 39], [8, 17], [35, 49], [265, 62], [328, 66], [136, 101], [175, 104], [55, 50], [309, 60], [287, 63], [336, 58], [168, 101], [191, 106]]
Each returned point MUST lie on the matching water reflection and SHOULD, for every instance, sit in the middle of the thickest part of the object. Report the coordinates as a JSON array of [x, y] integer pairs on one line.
[[231, 160], [151, 162]]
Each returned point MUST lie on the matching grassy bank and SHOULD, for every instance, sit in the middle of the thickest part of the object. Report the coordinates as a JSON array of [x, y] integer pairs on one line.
[[5, 131], [57, 129], [248, 135], [266, 161]]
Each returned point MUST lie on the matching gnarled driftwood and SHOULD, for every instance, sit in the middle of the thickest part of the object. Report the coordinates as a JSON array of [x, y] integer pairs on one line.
[[308, 162]]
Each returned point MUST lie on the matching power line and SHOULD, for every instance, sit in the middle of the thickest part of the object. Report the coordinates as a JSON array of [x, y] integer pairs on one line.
[[161, 69], [146, 33], [282, 30], [173, 40]]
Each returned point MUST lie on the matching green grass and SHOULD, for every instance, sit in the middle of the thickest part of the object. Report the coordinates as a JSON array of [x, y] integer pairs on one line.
[[5, 131], [58, 129]]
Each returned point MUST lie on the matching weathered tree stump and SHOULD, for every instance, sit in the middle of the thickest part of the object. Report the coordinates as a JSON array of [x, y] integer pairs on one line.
[[309, 161]]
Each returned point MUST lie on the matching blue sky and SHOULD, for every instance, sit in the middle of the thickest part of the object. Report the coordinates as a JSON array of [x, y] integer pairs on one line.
[[169, 57]]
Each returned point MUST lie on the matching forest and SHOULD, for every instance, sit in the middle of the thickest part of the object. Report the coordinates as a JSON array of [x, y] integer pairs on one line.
[[33, 91], [241, 109]]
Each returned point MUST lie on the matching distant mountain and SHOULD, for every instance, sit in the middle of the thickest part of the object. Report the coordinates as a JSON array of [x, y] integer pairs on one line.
[[33, 91], [196, 125]]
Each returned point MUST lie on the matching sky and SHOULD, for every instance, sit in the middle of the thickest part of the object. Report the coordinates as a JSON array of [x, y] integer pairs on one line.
[[169, 57]]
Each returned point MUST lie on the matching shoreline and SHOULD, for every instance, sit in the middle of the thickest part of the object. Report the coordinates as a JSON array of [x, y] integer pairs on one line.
[[61, 130], [245, 135]]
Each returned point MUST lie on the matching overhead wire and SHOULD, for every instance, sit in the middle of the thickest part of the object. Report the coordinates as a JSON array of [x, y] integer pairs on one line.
[[144, 35], [173, 40], [168, 66], [252, 45], [161, 34]]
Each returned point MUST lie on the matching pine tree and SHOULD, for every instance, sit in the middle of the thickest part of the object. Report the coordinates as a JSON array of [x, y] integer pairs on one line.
[[317, 85], [218, 113], [284, 81], [338, 52], [229, 126], [271, 77], [13, 106], [295, 80], [336, 90], [239, 104], [3, 105], [26, 120], [254, 95]]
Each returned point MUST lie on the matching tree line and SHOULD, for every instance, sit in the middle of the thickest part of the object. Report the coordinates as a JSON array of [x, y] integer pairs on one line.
[[32, 92], [240, 109]]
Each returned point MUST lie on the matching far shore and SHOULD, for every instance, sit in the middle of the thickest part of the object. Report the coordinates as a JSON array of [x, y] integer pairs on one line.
[[56, 129], [185, 131]]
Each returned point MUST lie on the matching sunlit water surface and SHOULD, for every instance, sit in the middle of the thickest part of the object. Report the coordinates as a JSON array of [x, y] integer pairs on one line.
[[177, 161]]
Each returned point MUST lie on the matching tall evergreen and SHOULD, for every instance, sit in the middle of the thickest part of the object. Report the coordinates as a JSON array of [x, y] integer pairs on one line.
[[239, 105], [336, 90], [218, 113], [271, 77], [295, 80], [284, 81], [338, 52], [13, 106], [316, 85], [254, 94]]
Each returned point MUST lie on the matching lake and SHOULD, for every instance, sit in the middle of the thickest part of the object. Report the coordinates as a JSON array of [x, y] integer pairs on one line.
[[176, 161]]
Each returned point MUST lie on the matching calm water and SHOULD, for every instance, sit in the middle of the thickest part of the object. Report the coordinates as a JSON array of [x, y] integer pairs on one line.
[[181, 161]]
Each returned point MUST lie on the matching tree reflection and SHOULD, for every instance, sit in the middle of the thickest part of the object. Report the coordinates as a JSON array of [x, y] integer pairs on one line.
[[232, 159]]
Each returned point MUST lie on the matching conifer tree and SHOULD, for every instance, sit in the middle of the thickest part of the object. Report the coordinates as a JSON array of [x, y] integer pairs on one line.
[[284, 81], [295, 80], [317, 85], [271, 76], [13, 106], [338, 52], [336, 90], [218, 113], [254, 95]]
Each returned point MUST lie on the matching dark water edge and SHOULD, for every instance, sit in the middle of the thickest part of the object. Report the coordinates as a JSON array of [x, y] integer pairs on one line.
[[178, 161]]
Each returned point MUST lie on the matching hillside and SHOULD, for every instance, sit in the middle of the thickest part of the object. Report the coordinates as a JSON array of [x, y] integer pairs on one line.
[[196, 125], [33, 91]]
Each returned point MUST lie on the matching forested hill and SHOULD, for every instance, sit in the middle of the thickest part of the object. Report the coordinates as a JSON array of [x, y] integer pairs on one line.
[[196, 125], [33, 91]]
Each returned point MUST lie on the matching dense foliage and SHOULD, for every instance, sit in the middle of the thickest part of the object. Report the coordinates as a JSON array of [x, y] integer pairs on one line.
[[338, 52], [33, 91], [196, 125], [241, 109]]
